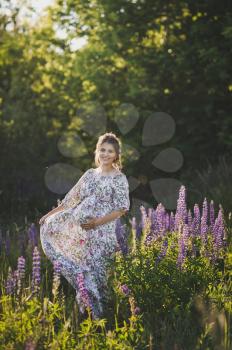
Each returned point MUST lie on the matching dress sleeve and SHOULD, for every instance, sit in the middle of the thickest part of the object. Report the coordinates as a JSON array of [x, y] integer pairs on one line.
[[72, 198], [121, 200]]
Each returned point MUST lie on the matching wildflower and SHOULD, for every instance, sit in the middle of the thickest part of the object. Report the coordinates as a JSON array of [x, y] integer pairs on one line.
[[10, 282], [218, 231], [149, 239], [167, 222], [160, 220], [182, 246], [83, 291], [196, 220], [20, 272], [172, 222], [211, 214], [162, 252], [204, 226], [35, 269], [56, 275], [137, 310], [21, 267], [125, 290], [181, 210]]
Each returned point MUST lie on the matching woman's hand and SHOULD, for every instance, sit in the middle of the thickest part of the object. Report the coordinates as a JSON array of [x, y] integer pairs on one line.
[[41, 221], [91, 224]]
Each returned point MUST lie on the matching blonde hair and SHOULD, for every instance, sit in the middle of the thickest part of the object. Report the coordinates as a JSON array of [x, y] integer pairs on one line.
[[111, 138]]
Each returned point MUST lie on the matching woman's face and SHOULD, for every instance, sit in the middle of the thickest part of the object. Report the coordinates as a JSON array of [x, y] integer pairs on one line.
[[106, 153]]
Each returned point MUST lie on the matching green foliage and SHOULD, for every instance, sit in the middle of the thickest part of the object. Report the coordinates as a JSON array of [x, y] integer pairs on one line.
[[42, 324], [188, 307], [169, 296], [155, 55]]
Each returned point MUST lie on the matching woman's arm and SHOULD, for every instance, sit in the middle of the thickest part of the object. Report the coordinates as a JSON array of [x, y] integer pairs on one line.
[[59, 208], [103, 220], [110, 217], [55, 210]]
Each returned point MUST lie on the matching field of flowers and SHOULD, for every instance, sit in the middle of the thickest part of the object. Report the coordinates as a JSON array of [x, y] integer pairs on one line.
[[169, 286]]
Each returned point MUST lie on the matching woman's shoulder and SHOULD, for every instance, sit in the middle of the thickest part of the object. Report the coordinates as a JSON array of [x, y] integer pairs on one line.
[[120, 177]]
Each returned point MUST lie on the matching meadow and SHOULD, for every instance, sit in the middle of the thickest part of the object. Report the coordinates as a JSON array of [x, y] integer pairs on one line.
[[169, 286]]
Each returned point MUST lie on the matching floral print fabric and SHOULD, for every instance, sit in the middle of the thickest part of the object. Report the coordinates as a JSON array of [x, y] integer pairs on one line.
[[84, 254]]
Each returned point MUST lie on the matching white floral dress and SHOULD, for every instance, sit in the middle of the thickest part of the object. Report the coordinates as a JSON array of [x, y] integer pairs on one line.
[[83, 254]]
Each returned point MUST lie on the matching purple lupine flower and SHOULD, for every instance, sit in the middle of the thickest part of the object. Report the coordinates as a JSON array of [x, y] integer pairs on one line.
[[204, 217], [21, 267], [215, 240], [35, 269], [154, 223], [205, 210], [163, 252], [196, 221], [125, 290], [56, 276], [182, 248], [181, 210], [211, 214], [15, 276], [204, 229], [83, 291], [56, 270], [172, 222], [10, 282], [167, 222], [186, 233], [160, 220], [20, 272], [219, 231], [149, 239], [137, 310]]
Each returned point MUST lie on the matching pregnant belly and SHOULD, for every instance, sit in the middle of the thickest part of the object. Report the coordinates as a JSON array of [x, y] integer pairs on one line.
[[85, 210]]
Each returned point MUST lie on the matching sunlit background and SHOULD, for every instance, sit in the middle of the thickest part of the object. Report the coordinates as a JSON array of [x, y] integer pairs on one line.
[[32, 11]]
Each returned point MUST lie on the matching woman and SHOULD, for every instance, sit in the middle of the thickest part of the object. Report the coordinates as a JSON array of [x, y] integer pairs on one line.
[[80, 232]]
